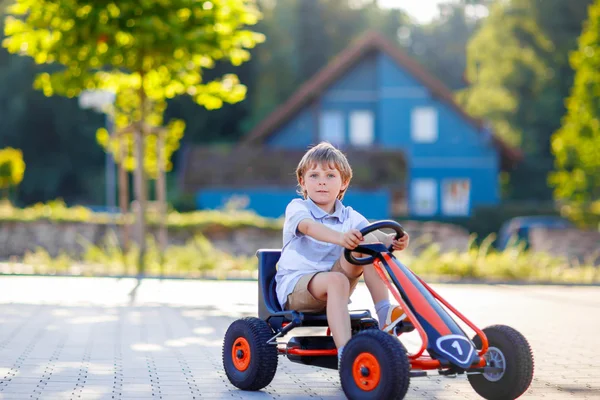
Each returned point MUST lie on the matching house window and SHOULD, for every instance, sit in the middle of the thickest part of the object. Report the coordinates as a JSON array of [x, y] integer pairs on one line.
[[424, 196], [424, 125], [331, 127], [456, 197], [399, 203], [362, 129]]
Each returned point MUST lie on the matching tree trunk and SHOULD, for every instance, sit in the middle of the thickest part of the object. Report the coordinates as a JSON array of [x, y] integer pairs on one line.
[[140, 194], [124, 197], [161, 196], [140, 182]]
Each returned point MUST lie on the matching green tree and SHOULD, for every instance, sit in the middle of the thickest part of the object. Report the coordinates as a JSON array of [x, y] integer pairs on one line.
[[53, 134], [518, 76], [12, 168], [311, 30], [146, 52], [576, 145], [441, 45], [504, 68]]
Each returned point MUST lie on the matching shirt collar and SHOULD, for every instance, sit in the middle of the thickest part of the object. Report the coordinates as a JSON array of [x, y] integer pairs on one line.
[[319, 213]]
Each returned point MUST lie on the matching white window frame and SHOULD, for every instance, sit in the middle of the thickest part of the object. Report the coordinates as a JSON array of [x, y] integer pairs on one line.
[[329, 119], [456, 201], [424, 196], [362, 128], [424, 125]]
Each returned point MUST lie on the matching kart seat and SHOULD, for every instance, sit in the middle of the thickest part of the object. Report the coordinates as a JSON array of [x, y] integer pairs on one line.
[[268, 305]]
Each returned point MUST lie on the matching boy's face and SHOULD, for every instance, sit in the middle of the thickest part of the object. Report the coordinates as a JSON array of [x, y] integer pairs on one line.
[[323, 184]]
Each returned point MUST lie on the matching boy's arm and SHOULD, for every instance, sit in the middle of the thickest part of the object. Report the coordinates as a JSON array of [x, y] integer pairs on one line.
[[320, 232], [348, 240]]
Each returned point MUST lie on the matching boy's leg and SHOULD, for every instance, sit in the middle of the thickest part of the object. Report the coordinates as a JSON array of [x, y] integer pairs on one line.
[[376, 286], [386, 313], [329, 290]]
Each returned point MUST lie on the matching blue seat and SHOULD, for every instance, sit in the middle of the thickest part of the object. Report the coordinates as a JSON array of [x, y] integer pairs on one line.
[[268, 305]]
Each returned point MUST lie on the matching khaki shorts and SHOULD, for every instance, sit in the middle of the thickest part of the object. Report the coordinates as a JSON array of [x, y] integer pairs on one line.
[[302, 300]]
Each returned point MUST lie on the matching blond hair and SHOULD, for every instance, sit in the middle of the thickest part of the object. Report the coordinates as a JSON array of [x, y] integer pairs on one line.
[[324, 154]]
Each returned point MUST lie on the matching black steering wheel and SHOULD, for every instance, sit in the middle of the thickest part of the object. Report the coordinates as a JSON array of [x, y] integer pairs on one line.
[[367, 248]]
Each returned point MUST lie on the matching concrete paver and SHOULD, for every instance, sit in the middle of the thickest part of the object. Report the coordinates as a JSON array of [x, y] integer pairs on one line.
[[101, 338]]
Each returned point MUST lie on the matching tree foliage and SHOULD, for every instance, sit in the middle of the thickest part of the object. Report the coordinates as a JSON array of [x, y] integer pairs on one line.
[[517, 69], [146, 52], [518, 73], [576, 145], [441, 45], [12, 167], [503, 66]]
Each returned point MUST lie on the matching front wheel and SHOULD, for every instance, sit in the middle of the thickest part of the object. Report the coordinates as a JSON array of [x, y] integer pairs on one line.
[[250, 363], [374, 365], [509, 350]]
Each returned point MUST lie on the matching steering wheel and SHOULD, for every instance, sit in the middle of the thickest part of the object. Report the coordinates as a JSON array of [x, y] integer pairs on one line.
[[363, 247]]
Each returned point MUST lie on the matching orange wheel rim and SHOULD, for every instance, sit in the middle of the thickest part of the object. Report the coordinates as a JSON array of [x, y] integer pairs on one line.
[[240, 354], [366, 371]]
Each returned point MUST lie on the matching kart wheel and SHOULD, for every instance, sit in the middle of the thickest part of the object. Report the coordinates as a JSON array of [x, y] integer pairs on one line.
[[250, 363], [510, 350], [374, 365]]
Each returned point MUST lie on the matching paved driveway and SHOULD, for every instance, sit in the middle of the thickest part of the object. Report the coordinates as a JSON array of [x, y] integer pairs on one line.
[[85, 338]]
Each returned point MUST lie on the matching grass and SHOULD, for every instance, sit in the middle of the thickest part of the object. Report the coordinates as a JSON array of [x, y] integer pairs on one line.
[[199, 259]]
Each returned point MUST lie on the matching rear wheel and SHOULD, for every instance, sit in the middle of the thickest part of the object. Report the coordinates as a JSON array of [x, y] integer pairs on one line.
[[509, 350], [374, 365], [250, 363]]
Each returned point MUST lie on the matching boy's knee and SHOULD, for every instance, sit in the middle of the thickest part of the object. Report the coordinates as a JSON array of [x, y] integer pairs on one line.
[[339, 281]]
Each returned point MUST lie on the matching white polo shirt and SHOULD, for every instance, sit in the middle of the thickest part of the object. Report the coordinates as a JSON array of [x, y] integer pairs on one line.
[[302, 254]]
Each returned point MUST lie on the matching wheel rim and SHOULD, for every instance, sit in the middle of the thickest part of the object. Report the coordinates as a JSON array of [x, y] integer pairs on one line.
[[366, 371], [240, 354], [494, 358]]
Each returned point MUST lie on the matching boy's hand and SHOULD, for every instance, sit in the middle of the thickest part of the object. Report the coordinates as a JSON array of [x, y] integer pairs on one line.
[[401, 243], [351, 239]]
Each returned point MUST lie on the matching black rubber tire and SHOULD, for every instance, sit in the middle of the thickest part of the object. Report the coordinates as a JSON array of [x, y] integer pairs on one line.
[[393, 361], [263, 360], [518, 372]]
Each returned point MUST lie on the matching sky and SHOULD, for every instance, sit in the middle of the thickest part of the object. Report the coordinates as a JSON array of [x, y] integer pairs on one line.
[[421, 10]]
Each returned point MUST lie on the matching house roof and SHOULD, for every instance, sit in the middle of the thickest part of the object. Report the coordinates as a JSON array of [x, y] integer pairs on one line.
[[368, 43]]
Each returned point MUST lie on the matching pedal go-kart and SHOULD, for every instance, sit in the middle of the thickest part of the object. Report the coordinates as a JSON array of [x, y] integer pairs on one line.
[[498, 361]]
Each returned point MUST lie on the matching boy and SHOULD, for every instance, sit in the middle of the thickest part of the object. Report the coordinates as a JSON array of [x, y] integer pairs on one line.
[[312, 273]]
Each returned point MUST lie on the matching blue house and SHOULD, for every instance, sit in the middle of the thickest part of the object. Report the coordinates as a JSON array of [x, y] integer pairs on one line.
[[373, 97]]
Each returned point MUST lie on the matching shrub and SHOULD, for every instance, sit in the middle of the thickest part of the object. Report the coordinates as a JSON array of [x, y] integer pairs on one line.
[[199, 258]]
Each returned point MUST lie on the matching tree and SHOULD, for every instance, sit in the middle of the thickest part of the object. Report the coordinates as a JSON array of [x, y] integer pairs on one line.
[[311, 30], [441, 45], [576, 145], [504, 68], [518, 77], [12, 168], [146, 52]]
